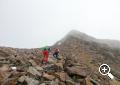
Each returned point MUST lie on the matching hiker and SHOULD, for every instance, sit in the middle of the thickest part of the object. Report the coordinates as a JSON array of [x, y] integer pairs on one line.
[[46, 55], [56, 54], [49, 49]]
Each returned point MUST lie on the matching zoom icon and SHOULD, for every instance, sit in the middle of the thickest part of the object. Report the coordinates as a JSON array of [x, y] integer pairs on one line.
[[104, 69]]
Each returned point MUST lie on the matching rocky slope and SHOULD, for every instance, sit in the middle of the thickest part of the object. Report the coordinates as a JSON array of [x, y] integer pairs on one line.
[[23, 67], [81, 56], [82, 49]]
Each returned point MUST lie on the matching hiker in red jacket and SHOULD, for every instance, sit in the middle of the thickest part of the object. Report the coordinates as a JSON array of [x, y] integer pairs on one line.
[[46, 55]]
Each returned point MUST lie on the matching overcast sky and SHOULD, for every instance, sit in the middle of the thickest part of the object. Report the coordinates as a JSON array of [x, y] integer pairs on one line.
[[35, 23]]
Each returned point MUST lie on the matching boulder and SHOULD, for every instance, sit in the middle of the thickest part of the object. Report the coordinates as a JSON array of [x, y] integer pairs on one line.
[[50, 82], [76, 71], [30, 81], [81, 81], [4, 68], [56, 82], [51, 60], [22, 79], [48, 77], [70, 82], [37, 60], [43, 84], [39, 68], [55, 67], [88, 82], [32, 62], [62, 76], [50, 68], [10, 81], [33, 71], [15, 74], [1, 77], [59, 66], [62, 83]]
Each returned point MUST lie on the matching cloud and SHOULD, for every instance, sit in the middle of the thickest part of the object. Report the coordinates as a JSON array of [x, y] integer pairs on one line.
[[35, 23]]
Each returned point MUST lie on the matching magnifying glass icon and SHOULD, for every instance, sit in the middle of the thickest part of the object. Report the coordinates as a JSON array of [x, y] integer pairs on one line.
[[104, 69]]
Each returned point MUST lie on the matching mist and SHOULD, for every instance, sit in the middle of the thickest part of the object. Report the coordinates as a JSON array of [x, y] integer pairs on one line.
[[37, 23]]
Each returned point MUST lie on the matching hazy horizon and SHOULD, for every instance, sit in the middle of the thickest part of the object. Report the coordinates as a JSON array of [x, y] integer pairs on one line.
[[37, 23]]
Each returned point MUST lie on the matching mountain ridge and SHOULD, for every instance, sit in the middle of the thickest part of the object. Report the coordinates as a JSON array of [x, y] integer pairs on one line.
[[83, 36], [81, 48]]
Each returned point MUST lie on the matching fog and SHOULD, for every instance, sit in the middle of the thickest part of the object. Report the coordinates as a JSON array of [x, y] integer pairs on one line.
[[37, 23]]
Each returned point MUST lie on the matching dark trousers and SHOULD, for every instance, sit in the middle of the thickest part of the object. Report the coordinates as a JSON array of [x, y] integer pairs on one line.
[[56, 55]]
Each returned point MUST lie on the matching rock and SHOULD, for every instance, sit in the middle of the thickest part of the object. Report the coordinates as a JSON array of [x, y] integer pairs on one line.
[[43, 84], [59, 66], [22, 79], [4, 68], [1, 77], [10, 81], [48, 77], [2, 58], [56, 67], [92, 81], [32, 62], [15, 74], [88, 81], [33, 71], [30, 81], [62, 76], [70, 82], [51, 60], [39, 68], [37, 60], [81, 81], [62, 83], [76, 71], [50, 68], [49, 83], [20, 69], [4, 62], [56, 82]]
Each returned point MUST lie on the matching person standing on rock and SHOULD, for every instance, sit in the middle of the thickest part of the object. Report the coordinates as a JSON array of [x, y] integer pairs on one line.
[[46, 55], [56, 54], [49, 50]]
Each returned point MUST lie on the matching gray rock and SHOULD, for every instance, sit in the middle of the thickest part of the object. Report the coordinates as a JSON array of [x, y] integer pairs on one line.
[[30, 81], [33, 71], [39, 68], [76, 71]]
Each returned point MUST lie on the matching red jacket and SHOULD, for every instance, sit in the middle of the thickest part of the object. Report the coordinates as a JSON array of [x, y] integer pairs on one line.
[[45, 53]]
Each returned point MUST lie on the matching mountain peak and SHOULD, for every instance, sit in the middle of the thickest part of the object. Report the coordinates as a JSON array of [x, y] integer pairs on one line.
[[80, 35], [75, 32]]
